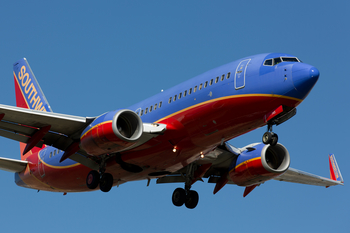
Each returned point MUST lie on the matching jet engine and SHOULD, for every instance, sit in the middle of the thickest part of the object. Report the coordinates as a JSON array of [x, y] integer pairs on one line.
[[112, 132], [259, 163]]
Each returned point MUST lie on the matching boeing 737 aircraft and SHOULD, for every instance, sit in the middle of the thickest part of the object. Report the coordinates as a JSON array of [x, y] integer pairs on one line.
[[179, 135]]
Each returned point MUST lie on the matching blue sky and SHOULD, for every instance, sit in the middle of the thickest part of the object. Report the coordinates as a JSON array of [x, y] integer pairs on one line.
[[91, 57]]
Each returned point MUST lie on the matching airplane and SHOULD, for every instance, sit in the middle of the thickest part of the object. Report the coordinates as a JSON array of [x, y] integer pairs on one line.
[[179, 135]]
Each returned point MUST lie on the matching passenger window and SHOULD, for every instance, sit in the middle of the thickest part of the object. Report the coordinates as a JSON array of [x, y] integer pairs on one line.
[[222, 77], [160, 104], [211, 82], [200, 87], [194, 89], [185, 92], [170, 100], [228, 75], [205, 84], [155, 106], [180, 95], [217, 80], [190, 91], [150, 109]]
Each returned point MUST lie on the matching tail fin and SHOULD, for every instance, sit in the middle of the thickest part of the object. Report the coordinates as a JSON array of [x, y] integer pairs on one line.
[[334, 169], [28, 92], [28, 95]]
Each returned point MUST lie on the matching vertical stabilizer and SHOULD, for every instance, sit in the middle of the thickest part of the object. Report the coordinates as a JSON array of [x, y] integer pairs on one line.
[[28, 95], [28, 92]]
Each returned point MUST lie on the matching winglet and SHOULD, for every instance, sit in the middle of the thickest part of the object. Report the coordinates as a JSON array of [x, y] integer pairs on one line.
[[334, 169]]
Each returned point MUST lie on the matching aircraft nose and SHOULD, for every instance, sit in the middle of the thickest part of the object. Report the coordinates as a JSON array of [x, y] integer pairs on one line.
[[304, 78]]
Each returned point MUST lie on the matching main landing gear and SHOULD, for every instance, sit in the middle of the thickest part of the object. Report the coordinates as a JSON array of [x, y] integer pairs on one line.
[[190, 198], [95, 178], [270, 137], [186, 196]]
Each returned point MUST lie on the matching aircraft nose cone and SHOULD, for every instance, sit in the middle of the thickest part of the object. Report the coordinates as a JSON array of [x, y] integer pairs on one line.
[[304, 78], [314, 73]]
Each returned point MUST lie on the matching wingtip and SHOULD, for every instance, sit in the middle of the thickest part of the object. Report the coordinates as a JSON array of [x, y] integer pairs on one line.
[[335, 173]]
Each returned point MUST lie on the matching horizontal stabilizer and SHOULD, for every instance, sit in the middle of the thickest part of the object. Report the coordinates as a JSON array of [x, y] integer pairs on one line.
[[12, 165]]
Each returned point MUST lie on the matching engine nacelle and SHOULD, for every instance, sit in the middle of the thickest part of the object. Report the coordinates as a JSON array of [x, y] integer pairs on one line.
[[112, 132], [259, 163]]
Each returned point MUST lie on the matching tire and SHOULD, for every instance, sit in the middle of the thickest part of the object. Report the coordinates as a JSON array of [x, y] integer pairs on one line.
[[179, 197], [192, 199], [106, 182], [92, 179], [267, 138], [274, 140]]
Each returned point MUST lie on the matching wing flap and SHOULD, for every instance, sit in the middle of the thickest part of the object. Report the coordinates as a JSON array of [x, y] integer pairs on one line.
[[12, 165]]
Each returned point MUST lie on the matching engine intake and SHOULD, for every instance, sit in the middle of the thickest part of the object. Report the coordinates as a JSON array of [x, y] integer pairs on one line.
[[275, 159], [112, 132], [127, 125]]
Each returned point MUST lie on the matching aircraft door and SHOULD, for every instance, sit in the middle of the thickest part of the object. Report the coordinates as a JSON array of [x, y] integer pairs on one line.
[[41, 166], [241, 73]]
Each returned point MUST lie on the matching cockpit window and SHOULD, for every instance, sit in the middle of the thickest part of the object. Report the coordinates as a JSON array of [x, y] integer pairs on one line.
[[290, 59], [268, 62], [277, 60]]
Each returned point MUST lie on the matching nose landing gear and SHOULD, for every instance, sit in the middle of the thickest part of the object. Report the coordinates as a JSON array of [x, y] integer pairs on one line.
[[270, 137]]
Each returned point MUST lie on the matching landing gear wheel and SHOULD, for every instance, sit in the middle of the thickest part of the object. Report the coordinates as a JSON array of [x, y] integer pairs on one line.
[[92, 179], [191, 199], [274, 140], [267, 138], [179, 197], [106, 182]]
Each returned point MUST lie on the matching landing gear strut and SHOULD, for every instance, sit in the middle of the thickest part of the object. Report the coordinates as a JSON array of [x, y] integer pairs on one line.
[[186, 196], [270, 137], [95, 178]]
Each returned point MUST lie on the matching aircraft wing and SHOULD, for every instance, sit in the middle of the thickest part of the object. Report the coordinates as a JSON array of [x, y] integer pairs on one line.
[[60, 131], [21, 124], [215, 166], [301, 177], [12, 165]]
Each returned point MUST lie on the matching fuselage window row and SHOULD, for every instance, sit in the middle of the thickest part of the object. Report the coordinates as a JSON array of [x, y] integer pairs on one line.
[[54, 153], [200, 87], [153, 107]]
